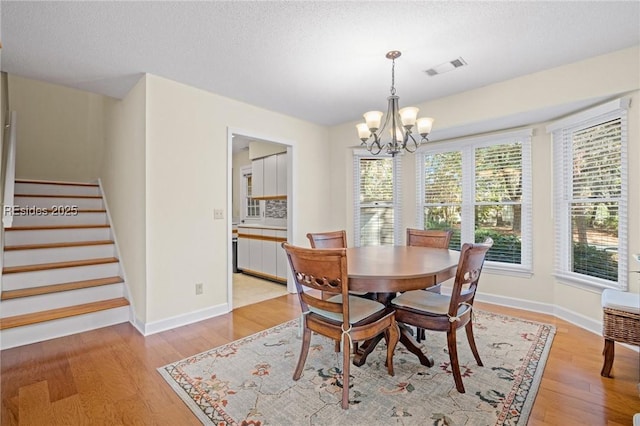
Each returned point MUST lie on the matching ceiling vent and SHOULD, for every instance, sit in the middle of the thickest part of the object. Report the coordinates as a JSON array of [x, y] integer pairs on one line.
[[446, 67]]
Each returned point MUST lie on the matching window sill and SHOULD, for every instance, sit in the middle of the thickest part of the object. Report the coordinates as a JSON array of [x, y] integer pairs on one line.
[[593, 285], [513, 271]]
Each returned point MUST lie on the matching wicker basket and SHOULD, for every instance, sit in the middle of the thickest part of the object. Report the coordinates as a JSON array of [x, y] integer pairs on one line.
[[621, 326]]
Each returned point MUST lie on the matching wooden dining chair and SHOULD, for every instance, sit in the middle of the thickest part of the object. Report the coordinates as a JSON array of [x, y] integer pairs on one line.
[[438, 312], [428, 238], [334, 239], [342, 317]]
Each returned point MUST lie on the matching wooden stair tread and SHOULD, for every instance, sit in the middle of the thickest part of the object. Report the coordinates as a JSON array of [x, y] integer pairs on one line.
[[66, 312], [56, 288], [57, 265], [57, 196], [55, 182], [58, 245], [45, 227]]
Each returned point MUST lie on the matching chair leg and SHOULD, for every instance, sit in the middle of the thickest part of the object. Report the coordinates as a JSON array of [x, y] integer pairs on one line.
[[346, 363], [453, 356], [608, 352], [472, 342], [392, 335], [304, 350], [420, 331]]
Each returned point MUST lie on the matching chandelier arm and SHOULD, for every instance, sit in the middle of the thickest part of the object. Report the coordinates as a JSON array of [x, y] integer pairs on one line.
[[386, 119], [375, 143], [415, 144]]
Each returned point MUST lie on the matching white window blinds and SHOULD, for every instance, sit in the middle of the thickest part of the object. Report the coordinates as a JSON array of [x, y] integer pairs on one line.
[[443, 193], [377, 199], [590, 166], [480, 187]]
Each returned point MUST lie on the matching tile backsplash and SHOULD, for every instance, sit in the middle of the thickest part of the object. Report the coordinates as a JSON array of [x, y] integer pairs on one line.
[[275, 209]]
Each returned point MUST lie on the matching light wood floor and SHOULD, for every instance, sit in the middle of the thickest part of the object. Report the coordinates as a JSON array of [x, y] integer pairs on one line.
[[248, 290], [108, 376]]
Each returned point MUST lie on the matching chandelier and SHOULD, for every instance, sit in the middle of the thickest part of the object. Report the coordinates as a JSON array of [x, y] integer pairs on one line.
[[395, 134]]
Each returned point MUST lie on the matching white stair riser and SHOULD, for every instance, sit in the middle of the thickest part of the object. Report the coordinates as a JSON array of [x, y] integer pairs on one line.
[[57, 276], [60, 254], [43, 302], [60, 203], [19, 336], [83, 218], [53, 189], [15, 238]]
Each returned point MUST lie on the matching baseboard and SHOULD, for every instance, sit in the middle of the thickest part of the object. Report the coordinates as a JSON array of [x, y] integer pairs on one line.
[[180, 320], [543, 308], [574, 318]]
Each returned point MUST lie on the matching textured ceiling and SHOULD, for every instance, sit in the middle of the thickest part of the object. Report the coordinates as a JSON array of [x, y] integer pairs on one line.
[[319, 61]]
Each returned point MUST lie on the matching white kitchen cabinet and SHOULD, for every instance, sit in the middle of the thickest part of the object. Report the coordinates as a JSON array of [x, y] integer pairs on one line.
[[255, 250], [257, 178], [281, 172], [270, 180], [243, 250], [260, 252], [269, 176], [269, 265], [282, 264]]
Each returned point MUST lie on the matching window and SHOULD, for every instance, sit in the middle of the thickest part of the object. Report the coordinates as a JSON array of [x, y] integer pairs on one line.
[[590, 196], [480, 187], [251, 208], [377, 199]]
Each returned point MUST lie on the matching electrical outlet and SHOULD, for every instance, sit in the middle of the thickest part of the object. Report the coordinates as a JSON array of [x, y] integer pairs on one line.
[[218, 214], [199, 289]]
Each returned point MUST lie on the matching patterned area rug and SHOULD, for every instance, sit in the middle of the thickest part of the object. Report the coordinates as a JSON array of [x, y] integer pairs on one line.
[[249, 381]]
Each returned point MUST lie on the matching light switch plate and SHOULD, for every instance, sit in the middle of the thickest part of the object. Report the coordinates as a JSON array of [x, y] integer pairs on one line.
[[218, 214]]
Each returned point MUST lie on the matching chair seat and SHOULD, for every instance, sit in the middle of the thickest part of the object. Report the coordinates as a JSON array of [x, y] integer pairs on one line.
[[426, 301], [359, 309], [621, 301]]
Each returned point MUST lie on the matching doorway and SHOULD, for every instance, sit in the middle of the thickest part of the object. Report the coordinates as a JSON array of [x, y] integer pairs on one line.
[[246, 211]]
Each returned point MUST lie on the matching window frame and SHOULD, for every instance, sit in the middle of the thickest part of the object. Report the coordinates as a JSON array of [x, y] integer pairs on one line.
[[467, 147], [359, 154], [560, 131], [245, 171]]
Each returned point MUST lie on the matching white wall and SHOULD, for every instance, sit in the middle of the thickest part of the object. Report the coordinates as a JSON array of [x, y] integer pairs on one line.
[[59, 133], [123, 179], [187, 176], [599, 77]]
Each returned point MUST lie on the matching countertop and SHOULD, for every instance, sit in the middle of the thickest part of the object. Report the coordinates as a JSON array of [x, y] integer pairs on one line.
[[261, 226]]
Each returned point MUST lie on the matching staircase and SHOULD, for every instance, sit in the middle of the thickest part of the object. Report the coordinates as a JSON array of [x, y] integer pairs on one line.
[[61, 274]]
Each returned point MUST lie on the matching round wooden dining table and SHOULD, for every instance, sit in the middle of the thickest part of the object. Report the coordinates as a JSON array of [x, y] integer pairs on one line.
[[387, 270]]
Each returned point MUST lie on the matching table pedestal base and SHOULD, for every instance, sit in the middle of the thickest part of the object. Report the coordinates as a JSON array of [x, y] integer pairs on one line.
[[406, 338]]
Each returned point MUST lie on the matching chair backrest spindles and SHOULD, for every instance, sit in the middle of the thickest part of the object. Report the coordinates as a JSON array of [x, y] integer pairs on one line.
[[324, 270]]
